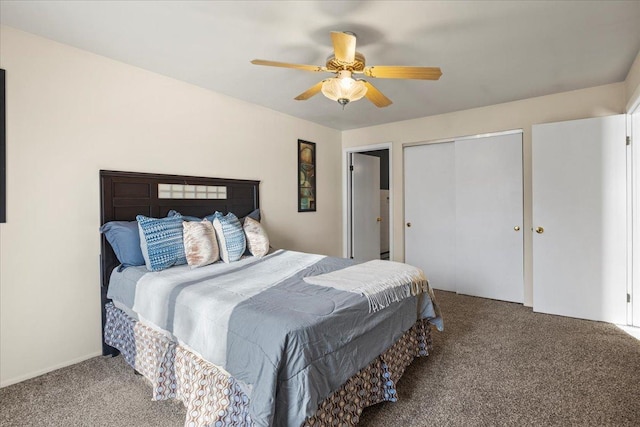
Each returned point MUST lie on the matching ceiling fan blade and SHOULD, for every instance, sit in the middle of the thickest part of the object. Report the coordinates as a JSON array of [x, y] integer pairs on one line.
[[310, 92], [344, 46], [399, 72], [288, 65], [375, 96]]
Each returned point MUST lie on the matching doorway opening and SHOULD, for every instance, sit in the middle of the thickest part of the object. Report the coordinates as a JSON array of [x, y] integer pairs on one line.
[[368, 203]]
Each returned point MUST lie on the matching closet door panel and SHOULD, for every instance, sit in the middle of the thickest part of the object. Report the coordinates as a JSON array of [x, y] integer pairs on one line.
[[579, 199], [489, 217], [429, 197]]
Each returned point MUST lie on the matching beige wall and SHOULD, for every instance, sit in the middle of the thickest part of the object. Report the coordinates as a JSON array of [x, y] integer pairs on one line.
[[71, 113], [592, 102]]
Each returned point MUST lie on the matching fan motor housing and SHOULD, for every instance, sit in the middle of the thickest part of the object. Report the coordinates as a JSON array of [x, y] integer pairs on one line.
[[357, 65]]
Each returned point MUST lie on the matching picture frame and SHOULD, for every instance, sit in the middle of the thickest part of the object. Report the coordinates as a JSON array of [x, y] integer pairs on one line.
[[307, 198]]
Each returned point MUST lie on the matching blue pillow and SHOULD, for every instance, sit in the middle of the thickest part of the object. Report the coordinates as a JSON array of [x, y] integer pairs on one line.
[[189, 218], [255, 214], [124, 238], [161, 241], [231, 238]]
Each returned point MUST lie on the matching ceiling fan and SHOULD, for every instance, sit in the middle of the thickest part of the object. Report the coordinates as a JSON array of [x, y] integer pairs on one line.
[[344, 63]]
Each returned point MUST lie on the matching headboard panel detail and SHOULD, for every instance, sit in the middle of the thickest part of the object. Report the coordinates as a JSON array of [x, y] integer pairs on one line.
[[123, 195]]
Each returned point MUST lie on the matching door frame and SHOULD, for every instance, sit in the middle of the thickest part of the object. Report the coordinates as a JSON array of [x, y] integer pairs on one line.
[[347, 196], [633, 211]]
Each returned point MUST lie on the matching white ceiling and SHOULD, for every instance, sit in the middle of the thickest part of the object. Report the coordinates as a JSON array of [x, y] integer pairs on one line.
[[489, 51]]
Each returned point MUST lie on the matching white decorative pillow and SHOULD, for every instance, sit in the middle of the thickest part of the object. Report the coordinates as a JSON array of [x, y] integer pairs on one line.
[[257, 239], [200, 244]]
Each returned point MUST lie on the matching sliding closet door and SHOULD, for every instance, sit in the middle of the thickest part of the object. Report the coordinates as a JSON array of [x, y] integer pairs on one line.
[[579, 217], [430, 213], [489, 235]]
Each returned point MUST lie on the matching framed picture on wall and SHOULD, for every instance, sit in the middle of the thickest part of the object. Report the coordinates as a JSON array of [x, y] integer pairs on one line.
[[306, 176]]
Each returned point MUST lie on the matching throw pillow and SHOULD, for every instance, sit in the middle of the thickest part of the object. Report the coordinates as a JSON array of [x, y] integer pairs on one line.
[[124, 238], [257, 239], [200, 244], [161, 241], [231, 238]]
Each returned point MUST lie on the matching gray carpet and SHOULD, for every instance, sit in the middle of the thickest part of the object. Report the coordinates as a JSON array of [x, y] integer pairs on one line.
[[496, 364]]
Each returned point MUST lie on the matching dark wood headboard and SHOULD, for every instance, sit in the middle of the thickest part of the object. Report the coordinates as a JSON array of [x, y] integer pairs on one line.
[[123, 195]]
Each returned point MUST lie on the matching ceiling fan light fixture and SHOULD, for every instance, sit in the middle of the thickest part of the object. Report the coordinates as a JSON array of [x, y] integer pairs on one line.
[[343, 88], [346, 82], [345, 61]]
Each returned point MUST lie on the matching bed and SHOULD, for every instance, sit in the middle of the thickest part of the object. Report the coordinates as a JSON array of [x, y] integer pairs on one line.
[[284, 339]]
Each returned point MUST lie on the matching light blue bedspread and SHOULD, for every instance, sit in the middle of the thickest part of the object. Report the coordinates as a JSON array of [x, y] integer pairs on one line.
[[287, 342]]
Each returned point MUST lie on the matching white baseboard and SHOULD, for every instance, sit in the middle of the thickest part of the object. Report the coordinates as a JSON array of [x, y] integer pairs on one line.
[[631, 330]]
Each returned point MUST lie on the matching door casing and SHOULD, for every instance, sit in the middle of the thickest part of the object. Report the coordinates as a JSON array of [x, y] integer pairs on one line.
[[346, 195], [633, 129]]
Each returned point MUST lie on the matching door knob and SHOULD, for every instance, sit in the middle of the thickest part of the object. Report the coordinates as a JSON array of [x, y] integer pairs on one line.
[[408, 224], [517, 228], [539, 230], [379, 219]]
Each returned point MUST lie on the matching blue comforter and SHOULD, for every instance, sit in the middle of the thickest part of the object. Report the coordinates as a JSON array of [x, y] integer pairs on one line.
[[287, 342]]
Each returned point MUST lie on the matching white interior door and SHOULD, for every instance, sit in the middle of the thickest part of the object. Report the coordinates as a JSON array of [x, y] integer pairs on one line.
[[489, 217], [579, 203], [365, 209], [430, 212]]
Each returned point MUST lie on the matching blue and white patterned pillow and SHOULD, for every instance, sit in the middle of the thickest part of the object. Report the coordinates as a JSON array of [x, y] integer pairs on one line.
[[231, 238], [161, 241]]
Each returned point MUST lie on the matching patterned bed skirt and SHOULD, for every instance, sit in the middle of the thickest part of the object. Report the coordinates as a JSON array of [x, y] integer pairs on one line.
[[214, 398]]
